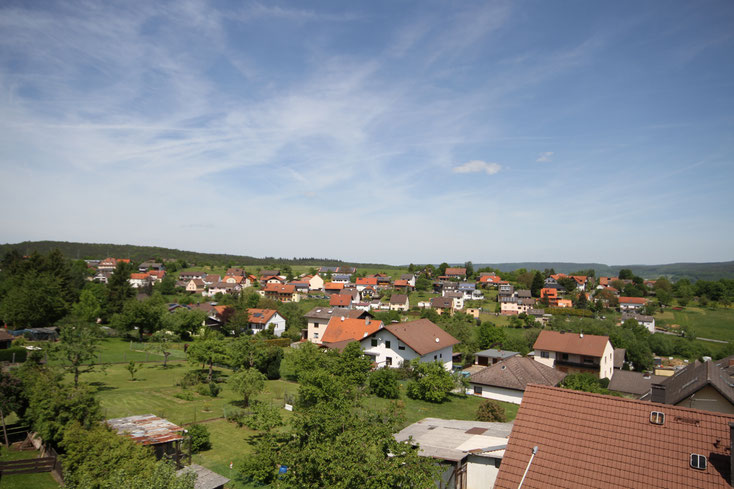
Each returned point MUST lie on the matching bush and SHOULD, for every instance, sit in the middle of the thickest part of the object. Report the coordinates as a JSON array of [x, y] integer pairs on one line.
[[214, 389], [7, 354], [199, 438], [235, 415], [384, 383], [186, 396], [433, 383], [192, 378], [492, 411]]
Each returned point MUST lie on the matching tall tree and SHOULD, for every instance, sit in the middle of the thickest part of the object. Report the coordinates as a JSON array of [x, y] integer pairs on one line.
[[143, 317], [78, 348], [119, 289], [247, 383], [10, 398], [537, 284], [209, 350]]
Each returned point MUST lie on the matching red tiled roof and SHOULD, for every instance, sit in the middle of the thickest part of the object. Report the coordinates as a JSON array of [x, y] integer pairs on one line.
[[632, 300], [139, 276], [367, 281], [590, 440], [490, 278], [580, 279], [401, 283], [349, 329], [340, 300], [559, 276], [455, 271], [260, 316], [280, 288], [576, 344], [333, 286]]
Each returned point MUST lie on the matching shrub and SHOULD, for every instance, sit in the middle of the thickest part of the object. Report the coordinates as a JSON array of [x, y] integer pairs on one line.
[[186, 396], [214, 389], [433, 383], [199, 438], [235, 415], [384, 383], [491, 410], [7, 354], [192, 378]]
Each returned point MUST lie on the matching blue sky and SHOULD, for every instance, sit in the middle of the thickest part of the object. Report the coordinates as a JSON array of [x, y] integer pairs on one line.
[[388, 132]]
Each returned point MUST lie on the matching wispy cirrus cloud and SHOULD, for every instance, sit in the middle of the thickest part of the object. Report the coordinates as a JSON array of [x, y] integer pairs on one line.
[[478, 166], [545, 157]]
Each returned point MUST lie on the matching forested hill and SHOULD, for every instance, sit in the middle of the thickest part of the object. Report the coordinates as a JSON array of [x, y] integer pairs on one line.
[[79, 251], [675, 271]]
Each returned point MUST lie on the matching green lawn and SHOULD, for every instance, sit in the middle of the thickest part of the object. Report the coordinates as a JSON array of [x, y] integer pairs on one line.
[[43, 480], [717, 324]]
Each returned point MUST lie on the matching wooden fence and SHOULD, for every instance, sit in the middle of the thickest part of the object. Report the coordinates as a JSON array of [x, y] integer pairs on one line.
[[28, 466]]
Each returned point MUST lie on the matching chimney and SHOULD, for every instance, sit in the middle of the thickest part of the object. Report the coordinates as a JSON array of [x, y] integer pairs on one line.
[[658, 393], [342, 318], [731, 453], [581, 335]]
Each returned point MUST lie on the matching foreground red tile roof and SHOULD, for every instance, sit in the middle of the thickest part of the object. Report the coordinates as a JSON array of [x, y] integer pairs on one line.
[[574, 343], [590, 440]]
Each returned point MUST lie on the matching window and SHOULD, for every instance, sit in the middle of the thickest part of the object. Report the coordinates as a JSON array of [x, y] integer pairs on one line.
[[401, 347], [315, 335], [698, 461], [374, 341], [388, 360], [478, 390], [435, 357], [544, 354], [588, 360], [656, 417], [387, 344], [564, 356]]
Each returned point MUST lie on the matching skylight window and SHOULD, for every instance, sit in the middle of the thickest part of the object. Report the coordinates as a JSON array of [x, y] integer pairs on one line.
[[698, 461], [656, 417]]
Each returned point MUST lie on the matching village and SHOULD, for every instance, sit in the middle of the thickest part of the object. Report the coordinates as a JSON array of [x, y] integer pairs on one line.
[[532, 370]]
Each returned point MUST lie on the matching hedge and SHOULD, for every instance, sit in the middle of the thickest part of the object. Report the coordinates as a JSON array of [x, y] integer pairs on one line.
[[7, 354]]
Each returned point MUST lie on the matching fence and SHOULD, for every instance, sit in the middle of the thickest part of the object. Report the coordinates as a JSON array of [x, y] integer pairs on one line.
[[28, 466]]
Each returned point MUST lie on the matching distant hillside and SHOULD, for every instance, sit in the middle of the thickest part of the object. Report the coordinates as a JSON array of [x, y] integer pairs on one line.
[[91, 251], [675, 271]]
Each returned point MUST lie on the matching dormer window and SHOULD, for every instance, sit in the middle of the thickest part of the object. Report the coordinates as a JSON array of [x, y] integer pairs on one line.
[[656, 417]]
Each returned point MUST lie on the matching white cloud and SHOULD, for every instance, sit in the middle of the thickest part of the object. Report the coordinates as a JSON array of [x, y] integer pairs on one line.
[[545, 157], [475, 166]]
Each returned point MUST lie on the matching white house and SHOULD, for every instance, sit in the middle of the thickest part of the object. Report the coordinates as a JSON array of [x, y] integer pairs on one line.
[[642, 320], [262, 319], [631, 304], [575, 353], [221, 287], [506, 380], [397, 343], [399, 302], [470, 452]]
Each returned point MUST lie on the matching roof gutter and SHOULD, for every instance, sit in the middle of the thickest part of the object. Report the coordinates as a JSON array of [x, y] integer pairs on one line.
[[535, 450]]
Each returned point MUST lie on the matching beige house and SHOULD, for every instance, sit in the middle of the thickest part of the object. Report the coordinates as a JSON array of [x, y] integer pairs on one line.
[[195, 285], [575, 353], [399, 302], [280, 292]]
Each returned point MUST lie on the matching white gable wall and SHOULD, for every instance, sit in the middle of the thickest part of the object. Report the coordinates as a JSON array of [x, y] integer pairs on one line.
[[382, 351]]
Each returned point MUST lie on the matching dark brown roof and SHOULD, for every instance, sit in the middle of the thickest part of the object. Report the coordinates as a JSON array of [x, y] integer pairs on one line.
[[516, 373], [591, 440], [636, 383], [690, 380], [619, 354], [574, 343], [398, 299], [5, 336], [422, 335], [442, 302]]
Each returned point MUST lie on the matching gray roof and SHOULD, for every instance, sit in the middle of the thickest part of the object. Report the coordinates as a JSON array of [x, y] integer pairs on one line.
[[325, 312], [690, 380], [637, 317], [492, 353], [205, 478], [407, 276], [516, 373], [399, 299], [536, 312], [636, 383], [523, 293], [619, 354], [452, 439]]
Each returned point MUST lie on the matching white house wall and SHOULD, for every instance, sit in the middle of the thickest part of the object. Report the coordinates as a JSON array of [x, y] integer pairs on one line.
[[498, 393], [481, 472], [381, 351]]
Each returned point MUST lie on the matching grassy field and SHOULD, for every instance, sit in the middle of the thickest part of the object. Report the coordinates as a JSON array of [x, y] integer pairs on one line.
[[717, 324], [43, 480]]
